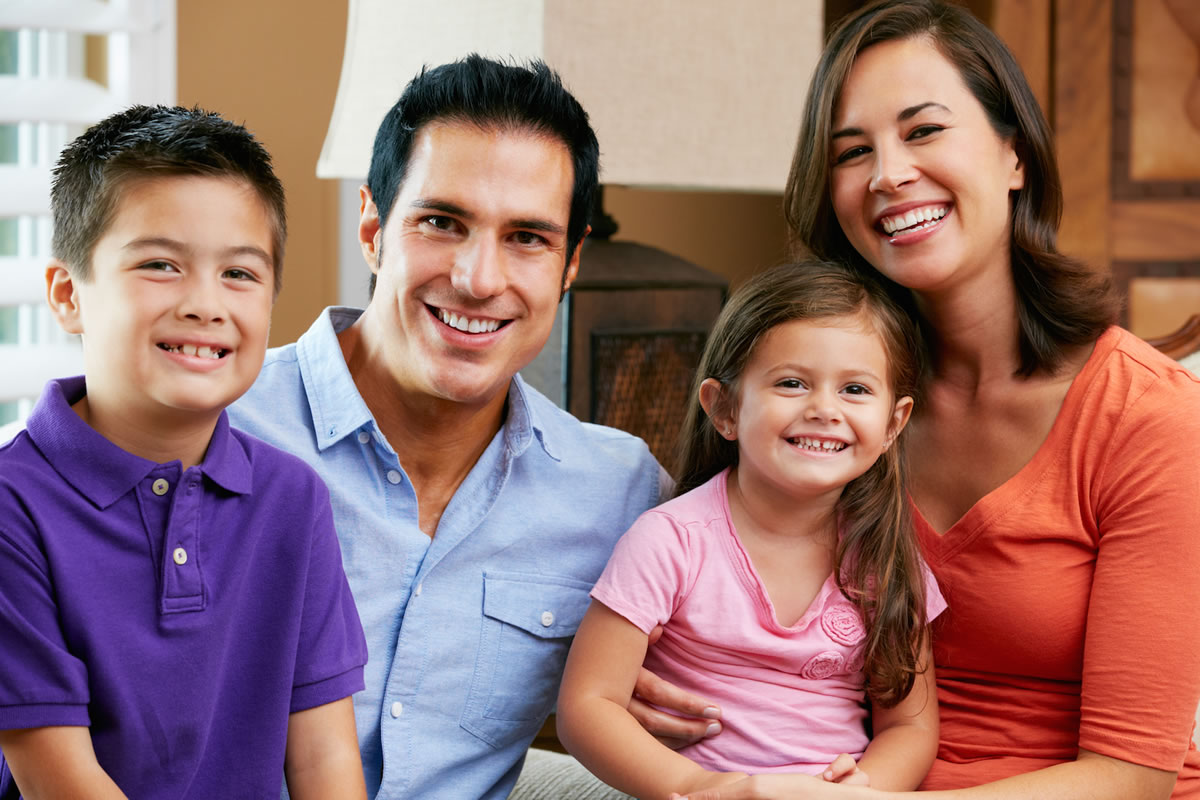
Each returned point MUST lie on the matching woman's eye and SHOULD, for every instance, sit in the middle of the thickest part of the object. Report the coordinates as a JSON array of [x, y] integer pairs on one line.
[[924, 130], [852, 153]]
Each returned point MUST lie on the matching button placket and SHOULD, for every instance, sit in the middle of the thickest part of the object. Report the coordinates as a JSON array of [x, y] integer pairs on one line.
[[183, 587]]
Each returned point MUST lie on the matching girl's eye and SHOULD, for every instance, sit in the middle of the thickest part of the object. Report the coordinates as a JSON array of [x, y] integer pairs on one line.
[[923, 131], [856, 388], [790, 383], [851, 154]]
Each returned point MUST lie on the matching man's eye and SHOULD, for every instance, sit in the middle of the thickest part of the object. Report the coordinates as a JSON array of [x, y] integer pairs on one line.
[[439, 222], [528, 237]]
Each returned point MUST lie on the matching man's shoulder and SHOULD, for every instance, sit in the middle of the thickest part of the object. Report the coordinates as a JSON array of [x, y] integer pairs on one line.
[[570, 435]]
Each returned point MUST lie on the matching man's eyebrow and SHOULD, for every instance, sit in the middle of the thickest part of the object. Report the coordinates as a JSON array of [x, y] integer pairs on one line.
[[166, 243], [906, 114], [446, 207], [442, 205]]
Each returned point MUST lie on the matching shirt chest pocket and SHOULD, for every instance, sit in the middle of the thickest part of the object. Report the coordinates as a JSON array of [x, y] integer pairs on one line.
[[528, 622]]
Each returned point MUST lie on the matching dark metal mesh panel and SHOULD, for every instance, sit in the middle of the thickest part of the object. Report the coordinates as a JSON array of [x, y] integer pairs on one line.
[[641, 382]]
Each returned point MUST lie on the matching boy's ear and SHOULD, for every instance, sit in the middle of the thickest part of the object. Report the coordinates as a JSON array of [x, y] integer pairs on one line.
[[369, 229], [62, 294], [718, 408], [900, 414]]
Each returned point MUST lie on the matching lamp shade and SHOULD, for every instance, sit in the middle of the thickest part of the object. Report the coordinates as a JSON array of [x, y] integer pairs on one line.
[[691, 94]]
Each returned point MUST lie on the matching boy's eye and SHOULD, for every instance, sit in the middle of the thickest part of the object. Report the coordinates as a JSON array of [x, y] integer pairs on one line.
[[239, 274], [157, 266]]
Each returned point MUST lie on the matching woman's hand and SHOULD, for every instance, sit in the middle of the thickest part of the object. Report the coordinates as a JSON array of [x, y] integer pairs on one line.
[[782, 786]]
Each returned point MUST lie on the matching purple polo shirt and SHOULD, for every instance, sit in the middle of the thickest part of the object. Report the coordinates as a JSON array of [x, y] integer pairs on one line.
[[180, 614]]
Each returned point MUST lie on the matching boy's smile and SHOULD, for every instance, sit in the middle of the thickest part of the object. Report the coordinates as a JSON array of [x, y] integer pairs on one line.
[[175, 313]]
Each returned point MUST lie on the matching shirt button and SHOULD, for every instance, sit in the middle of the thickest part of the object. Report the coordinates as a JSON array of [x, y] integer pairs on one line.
[[397, 709], [160, 486], [417, 591], [364, 437], [394, 476], [547, 619], [180, 556]]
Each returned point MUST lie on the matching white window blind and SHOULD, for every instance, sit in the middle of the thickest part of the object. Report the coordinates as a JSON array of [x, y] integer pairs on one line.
[[64, 65]]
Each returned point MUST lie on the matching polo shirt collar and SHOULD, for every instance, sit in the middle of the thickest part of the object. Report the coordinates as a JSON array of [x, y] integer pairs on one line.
[[524, 422], [103, 472]]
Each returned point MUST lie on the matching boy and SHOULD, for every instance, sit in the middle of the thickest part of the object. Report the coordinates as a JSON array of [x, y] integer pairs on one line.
[[174, 615]]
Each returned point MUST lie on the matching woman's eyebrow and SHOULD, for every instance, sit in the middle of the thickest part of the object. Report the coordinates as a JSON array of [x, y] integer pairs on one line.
[[905, 114]]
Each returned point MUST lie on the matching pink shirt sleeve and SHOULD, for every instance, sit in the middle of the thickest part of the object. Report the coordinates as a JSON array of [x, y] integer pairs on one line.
[[648, 573]]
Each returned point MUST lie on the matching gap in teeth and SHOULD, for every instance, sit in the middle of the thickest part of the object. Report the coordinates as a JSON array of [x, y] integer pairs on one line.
[[466, 324], [202, 351], [817, 444]]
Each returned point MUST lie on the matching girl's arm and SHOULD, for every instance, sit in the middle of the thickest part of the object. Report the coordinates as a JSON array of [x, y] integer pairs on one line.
[[57, 761], [1090, 777], [593, 720], [322, 758], [906, 736]]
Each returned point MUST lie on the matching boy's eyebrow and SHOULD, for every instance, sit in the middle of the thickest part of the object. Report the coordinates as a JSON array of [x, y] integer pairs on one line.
[[179, 247], [456, 210], [905, 114]]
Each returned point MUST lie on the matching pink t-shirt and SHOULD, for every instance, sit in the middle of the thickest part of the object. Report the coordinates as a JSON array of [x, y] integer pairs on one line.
[[791, 698]]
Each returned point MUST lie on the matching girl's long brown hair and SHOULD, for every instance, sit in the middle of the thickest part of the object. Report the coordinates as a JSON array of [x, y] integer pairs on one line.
[[876, 564]]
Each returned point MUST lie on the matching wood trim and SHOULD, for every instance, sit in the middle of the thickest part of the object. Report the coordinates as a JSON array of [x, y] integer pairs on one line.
[[1156, 231], [1082, 121], [1182, 342], [1025, 27]]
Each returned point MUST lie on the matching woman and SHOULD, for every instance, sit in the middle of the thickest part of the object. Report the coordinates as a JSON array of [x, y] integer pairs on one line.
[[1054, 459]]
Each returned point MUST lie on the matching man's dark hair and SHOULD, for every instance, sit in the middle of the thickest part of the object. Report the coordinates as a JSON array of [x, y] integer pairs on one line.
[[147, 142], [490, 95]]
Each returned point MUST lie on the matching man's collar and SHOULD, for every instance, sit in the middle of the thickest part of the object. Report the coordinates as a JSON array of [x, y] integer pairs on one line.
[[103, 472], [339, 410]]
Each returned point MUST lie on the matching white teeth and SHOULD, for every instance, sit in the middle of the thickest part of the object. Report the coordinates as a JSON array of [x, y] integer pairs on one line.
[[914, 217], [204, 352], [188, 349], [825, 445], [466, 324]]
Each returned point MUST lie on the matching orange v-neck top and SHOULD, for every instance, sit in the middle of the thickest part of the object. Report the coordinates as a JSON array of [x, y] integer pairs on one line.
[[1074, 587]]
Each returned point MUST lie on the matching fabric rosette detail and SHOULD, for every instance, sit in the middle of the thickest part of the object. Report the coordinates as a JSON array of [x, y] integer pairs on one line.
[[843, 624], [823, 665]]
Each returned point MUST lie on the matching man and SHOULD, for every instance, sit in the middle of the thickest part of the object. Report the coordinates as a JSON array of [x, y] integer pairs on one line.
[[473, 514]]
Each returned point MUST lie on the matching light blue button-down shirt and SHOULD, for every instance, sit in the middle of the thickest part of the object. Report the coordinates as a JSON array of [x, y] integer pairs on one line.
[[467, 632]]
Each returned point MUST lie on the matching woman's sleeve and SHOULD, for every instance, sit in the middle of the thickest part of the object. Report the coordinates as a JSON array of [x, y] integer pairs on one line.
[[1141, 670]]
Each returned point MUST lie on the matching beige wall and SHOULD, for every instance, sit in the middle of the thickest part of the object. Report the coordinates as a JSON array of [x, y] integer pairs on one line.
[[273, 65]]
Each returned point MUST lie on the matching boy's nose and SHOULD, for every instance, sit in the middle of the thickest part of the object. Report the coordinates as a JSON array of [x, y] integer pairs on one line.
[[202, 302]]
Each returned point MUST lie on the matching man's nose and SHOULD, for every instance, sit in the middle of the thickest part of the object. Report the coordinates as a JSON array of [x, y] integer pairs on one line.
[[479, 270]]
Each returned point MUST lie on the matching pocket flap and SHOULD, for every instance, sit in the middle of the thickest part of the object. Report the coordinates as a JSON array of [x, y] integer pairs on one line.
[[544, 605]]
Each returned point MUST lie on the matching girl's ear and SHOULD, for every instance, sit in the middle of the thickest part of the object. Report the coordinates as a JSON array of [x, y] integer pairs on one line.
[[62, 293], [718, 408], [900, 414]]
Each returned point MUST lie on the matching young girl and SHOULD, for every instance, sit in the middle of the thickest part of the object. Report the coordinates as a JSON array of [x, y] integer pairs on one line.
[[784, 573]]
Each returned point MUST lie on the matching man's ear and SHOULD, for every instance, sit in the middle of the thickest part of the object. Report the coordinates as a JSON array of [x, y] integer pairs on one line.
[[718, 408], [62, 294], [900, 416], [572, 269], [369, 230]]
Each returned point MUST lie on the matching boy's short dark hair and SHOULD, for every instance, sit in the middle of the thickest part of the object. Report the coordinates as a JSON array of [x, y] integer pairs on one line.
[[144, 142], [489, 94]]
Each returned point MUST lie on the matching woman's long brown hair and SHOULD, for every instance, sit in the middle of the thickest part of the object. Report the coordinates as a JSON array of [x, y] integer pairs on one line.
[[876, 563]]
